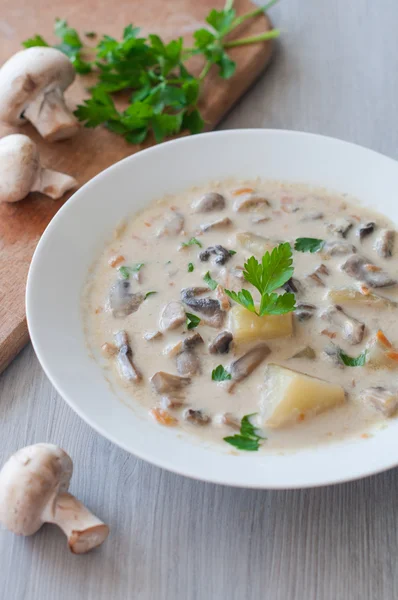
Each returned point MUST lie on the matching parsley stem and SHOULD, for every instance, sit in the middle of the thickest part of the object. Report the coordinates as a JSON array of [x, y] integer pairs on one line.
[[228, 4], [253, 13], [205, 70], [253, 39]]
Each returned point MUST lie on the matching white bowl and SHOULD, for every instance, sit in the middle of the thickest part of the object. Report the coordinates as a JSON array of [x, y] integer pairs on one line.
[[77, 234]]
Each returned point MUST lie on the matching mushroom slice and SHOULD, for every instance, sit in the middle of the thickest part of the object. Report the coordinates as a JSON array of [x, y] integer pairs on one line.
[[196, 417], [221, 254], [221, 343], [164, 383], [219, 224], [382, 399], [250, 202], [209, 307], [315, 278], [34, 486], [187, 363], [366, 229], [352, 329], [172, 316], [245, 365], [341, 227], [209, 202], [337, 248], [223, 298], [122, 301], [313, 216], [293, 286], [192, 341], [304, 311], [227, 419], [306, 352], [173, 224], [149, 336], [21, 172], [32, 83], [124, 358], [384, 245], [363, 270], [355, 297], [257, 219], [332, 352]]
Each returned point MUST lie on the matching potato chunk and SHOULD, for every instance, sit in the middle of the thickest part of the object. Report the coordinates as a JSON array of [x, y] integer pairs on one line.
[[380, 352], [352, 296], [246, 326], [290, 396], [255, 244]]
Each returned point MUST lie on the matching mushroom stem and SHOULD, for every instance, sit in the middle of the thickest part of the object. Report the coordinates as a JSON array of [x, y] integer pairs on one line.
[[51, 117], [52, 183], [83, 530]]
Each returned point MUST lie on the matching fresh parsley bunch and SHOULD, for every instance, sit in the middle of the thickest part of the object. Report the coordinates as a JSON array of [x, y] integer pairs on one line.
[[163, 94], [271, 273]]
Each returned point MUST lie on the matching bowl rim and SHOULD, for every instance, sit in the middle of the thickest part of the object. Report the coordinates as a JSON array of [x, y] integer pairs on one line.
[[69, 205]]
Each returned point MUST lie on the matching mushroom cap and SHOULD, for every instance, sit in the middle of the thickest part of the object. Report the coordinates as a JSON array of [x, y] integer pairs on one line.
[[19, 167], [28, 74], [29, 481]]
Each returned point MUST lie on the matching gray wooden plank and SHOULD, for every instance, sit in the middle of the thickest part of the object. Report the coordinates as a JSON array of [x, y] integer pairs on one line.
[[177, 539]]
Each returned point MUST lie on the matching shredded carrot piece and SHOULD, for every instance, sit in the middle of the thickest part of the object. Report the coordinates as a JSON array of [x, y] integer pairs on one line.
[[301, 417], [330, 334], [382, 339], [355, 217], [365, 436], [163, 417], [372, 268], [241, 191], [147, 224], [393, 354], [364, 290], [115, 261]]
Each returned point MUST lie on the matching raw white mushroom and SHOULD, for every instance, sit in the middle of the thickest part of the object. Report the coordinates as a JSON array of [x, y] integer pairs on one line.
[[32, 83], [33, 491], [21, 172]]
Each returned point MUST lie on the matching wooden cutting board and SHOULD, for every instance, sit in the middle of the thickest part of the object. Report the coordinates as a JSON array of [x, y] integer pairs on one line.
[[91, 151]]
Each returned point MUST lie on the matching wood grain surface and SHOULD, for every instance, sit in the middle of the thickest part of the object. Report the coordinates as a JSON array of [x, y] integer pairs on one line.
[[91, 151], [177, 539]]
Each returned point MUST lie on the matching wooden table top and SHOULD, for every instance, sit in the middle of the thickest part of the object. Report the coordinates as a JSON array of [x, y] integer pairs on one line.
[[176, 539]]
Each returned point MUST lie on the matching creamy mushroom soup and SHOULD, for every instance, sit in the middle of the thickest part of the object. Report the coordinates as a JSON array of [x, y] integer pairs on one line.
[[183, 311]]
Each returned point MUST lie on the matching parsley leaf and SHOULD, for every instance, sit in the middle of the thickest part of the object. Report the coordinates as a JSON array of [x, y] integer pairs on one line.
[[192, 242], [242, 443], [220, 374], [244, 298], [274, 270], [190, 267], [212, 283], [152, 73], [308, 245], [192, 320], [352, 361], [125, 272], [232, 252], [36, 40], [149, 294], [273, 304], [248, 438]]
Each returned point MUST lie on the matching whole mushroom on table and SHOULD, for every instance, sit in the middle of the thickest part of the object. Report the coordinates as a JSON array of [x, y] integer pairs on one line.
[[32, 84], [21, 171], [34, 486]]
